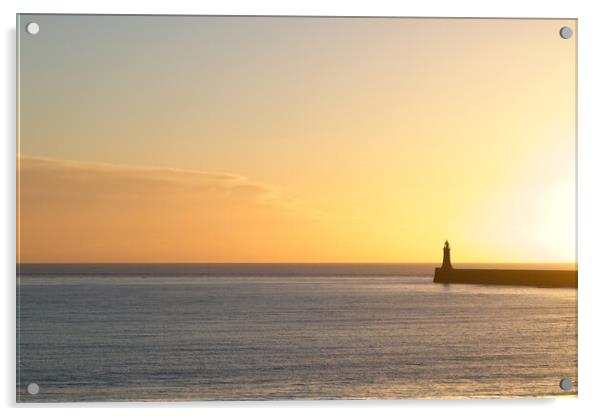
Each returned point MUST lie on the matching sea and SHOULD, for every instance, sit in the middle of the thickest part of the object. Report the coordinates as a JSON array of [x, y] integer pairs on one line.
[[196, 332]]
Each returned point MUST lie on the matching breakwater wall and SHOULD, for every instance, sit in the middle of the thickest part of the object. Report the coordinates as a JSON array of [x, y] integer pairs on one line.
[[538, 278]]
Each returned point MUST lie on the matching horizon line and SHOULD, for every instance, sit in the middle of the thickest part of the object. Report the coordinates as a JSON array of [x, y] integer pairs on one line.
[[294, 262]]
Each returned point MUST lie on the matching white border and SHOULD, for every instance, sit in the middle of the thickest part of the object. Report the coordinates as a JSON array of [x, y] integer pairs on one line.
[[589, 209]]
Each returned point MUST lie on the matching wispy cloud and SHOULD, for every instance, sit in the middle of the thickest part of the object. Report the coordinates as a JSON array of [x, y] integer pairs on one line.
[[79, 211], [108, 180]]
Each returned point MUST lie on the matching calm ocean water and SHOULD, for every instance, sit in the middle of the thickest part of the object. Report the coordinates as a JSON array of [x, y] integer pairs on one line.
[[287, 332]]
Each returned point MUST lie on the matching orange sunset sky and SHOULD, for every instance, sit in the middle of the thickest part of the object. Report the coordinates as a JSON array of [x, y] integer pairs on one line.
[[214, 139]]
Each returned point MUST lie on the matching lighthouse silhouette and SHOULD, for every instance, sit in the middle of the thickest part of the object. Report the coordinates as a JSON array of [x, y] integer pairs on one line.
[[446, 265]]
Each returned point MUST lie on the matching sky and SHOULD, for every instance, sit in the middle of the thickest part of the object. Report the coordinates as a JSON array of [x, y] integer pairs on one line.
[[258, 139]]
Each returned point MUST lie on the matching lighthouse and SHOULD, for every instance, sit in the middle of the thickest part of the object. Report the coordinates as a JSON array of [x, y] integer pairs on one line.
[[446, 258]]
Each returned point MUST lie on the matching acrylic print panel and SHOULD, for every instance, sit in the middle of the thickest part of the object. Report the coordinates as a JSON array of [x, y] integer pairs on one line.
[[235, 208]]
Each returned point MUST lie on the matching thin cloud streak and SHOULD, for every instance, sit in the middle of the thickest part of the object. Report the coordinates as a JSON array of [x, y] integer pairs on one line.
[[78, 211]]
